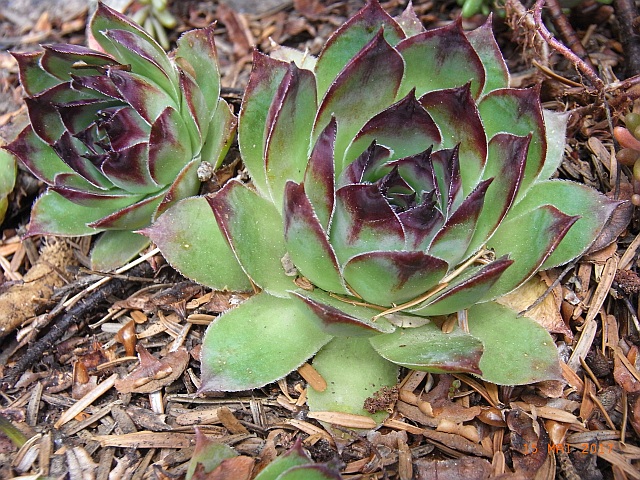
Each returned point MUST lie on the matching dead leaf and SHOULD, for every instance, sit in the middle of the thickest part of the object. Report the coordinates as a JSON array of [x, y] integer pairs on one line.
[[153, 374], [238, 28], [547, 313], [623, 376], [236, 468], [469, 468]]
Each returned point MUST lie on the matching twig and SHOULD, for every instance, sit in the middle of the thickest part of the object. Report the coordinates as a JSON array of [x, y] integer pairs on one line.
[[580, 64], [626, 13], [549, 289], [566, 31]]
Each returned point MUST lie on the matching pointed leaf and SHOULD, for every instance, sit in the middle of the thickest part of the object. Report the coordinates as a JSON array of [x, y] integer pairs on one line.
[[421, 223], [409, 21], [133, 217], [505, 164], [455, 112], [427, 348], [254, 230], [555, 124], [264, 81], [307, 242], [53, 214], [517, 351], [368, 167], [319, 177], [293, 457], [221, 129], [125, 128], [451, 242], [33, 78], [185, 184], [289, 122], [258, 342], [363, 222], [517, 111], [405, 127], [350, 98], [464, 291], [389, 278], [115, 248], [348, 388], [593, 208], [168, 150], [74, 153], [196, 53], [129, 169], [351, 38], [143, 95], [208, 453], [60, 59], [341, 318], [485, 45], [201, 253], [447, 55], [529, 240]]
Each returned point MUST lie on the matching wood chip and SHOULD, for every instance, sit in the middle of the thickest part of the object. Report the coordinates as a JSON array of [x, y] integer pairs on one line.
[[230, 422], [148, 440], [87, 400], [313, 378]]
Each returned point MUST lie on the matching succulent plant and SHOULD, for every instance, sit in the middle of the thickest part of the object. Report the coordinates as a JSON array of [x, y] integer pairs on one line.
[[118, 133], [629, 154], [399, 186], [155, 16], [8, 172]]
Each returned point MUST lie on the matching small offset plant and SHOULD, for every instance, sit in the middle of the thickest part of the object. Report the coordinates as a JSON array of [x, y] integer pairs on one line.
[[155, 16], [629, 139], [399, 186], [118, 133]]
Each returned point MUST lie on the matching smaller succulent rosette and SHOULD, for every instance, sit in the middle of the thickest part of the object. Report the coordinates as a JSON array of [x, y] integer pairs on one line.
[[398, 183], [118, 133]]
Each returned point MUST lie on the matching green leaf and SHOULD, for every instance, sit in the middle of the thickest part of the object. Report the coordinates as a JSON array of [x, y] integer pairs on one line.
[[253, 227], [209, 453], [310, 472], [354, 372], [115, 248], [517, 350], [485, 45], [291, 458], [220, 135], [593, 208], [258, 342], [189, 238], [8, 172], [556, 130], [427, 348]]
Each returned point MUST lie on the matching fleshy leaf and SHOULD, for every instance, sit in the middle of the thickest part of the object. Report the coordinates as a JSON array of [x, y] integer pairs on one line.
[[427, 348], [115, 248], [209, 454], [254, 230], [220, 136], [319, 177], [185, 184], [518, 111], [455, 112], [258, 342], [132, 217], [189, 238], [194, 110], [364, 221], [8, 170], [405, 127], [293, 457], [264, 81], [517, 351], [348, 388], [464, 291], [485, 45], [341, 318], [59, 59], [447, 56], [311, 472], [289, 121], [196, 53], [129, 169], [529, 240], [168, 150], [350, 98], [409, 21], [33, 78], [451, 242], [593, 208], [307, 242], [351, 38], [555, 124], [388, 278], [505, 164]]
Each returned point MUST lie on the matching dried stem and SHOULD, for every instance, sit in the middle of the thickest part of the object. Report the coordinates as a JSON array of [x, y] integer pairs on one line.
[[580, 64], [626, 13], [566, 31]]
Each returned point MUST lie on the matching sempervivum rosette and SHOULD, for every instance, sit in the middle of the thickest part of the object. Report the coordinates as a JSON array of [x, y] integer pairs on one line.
[[397, 179], [118, 133]]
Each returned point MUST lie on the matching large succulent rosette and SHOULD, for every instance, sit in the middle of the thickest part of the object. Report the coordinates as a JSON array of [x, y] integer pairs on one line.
[[396, 179], [118, 133]]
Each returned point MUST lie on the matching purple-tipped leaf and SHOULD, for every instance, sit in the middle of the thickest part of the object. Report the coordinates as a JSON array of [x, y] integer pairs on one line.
[[390, 278], [194, 109], [485, 45], [409, 22], [453, 239], [264, 81], [319, 177], [455, 112], [445, 165], [421, 223], [366, 86], [351, 38], [133, 217], [529, 240], [363, 222], [439, 59], [307, 241], [405, 127], [289, 125], [32, 77], [196, 53], [71, 151], [185, 184], [220, 135], [340, 318], [129, 169], [464, 291], [518, 111], [370, 165], [60, 60], [168, 148], [125, 129], [505, 164]]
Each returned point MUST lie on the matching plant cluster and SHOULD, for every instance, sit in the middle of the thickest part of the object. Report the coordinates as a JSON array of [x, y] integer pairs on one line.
[[399, 186]]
